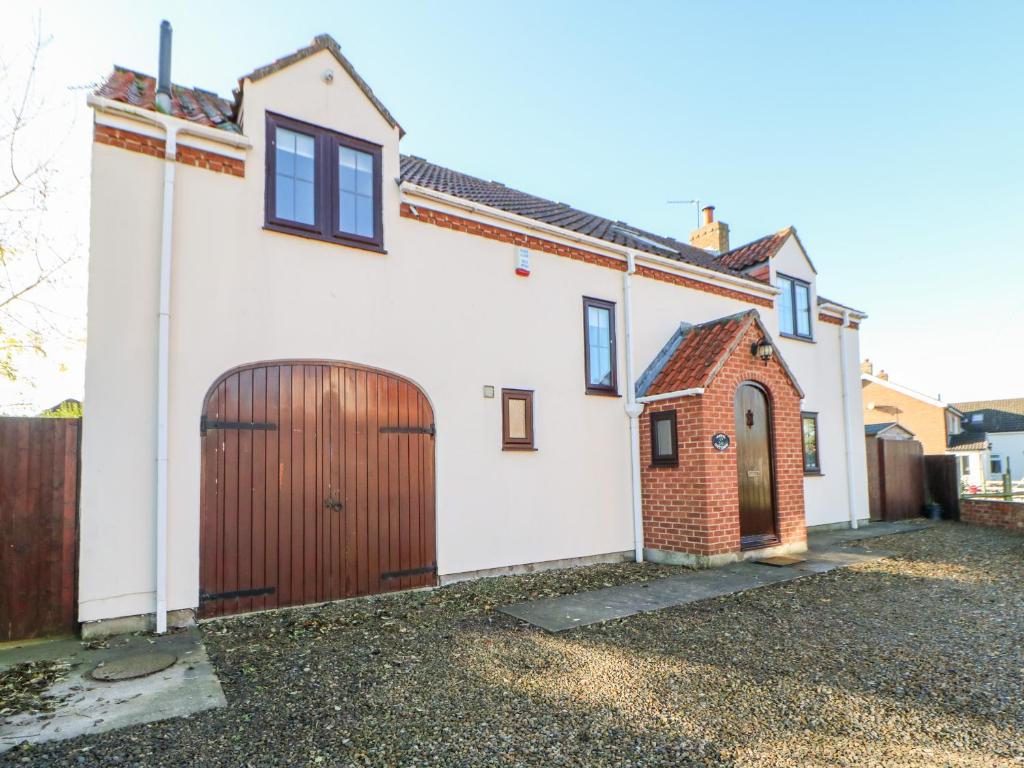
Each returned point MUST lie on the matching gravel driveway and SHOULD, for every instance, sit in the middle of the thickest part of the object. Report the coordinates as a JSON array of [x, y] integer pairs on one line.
[[916, 660]]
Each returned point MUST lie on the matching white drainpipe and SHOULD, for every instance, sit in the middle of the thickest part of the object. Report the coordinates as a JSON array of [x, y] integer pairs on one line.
[[847, 426], [633, 411], [172, 128], [163, 376]]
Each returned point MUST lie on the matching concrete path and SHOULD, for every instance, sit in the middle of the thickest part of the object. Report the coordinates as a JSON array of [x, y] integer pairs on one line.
[[91, 706], [562, 613]]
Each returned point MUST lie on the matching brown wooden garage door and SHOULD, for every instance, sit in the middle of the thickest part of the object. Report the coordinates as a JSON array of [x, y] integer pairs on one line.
[[317, 484]]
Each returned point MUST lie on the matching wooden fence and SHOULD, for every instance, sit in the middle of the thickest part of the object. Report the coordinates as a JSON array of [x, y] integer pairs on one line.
[[38, 526], [896, 489]]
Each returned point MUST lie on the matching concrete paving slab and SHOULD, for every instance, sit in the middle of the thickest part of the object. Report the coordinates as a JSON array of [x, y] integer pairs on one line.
[[92, 706], [562, 613]]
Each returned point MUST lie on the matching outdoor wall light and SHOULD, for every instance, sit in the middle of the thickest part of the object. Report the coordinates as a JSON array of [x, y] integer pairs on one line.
[[762, 350]]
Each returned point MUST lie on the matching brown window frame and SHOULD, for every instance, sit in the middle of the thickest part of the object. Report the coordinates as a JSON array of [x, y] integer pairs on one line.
[[612, 389], [326, 226], [517, 443], [658, 460], [813, 416]]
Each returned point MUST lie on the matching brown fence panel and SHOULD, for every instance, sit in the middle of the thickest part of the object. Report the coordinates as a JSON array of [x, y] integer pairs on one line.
[[876, 509], [943, 484], [38, 526], [901, 469]]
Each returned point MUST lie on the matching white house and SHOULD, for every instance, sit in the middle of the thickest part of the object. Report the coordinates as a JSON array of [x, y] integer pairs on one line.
[[995, 431], [318, 368]]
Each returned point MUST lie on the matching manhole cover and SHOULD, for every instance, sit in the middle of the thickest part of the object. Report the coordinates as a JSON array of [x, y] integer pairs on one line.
[[781, 561], [131, 667]]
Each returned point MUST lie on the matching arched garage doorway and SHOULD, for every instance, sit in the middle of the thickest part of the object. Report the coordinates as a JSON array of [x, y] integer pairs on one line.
[[317, 484]]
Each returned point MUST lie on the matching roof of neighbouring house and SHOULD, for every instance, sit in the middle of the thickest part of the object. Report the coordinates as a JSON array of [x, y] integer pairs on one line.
[[996, 415], [968, 441], [695, 354], [873, 430], [416, 170], [192, 104]]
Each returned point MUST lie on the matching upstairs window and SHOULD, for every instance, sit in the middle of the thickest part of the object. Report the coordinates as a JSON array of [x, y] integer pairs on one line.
[[355, 192], [794, 307], [295, 177], [323, 184], [812, 460], [965, 465], [599, 346]]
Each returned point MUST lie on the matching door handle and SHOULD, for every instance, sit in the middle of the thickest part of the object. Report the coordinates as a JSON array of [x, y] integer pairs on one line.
[[335, 504]]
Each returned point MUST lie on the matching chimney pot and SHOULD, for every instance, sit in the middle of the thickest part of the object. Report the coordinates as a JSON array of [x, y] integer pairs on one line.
[[709, 214], [163, 80]]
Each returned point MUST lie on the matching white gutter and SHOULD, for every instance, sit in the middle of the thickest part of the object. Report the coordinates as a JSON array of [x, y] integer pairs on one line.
[[692, 392], [172, 127], [662, 263], [180, 126], [633, 411], [847, 426]]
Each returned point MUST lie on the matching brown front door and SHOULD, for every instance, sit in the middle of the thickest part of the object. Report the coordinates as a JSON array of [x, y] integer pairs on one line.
[[754, 464], [317, 484]]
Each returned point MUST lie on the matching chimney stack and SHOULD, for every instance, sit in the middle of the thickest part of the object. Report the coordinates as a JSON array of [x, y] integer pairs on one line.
[[713, 235], [867, 367], [883, 375], [163, 81]]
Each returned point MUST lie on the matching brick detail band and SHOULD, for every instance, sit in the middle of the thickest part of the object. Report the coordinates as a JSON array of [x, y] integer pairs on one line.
[[147, 145], [822, 317], [471, 227]]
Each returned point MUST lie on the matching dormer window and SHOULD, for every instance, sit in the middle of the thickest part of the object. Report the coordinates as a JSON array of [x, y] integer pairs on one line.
[[323, 184], [794, 307]]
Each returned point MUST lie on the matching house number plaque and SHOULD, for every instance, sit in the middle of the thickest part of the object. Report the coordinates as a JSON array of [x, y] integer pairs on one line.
[[720, 441]]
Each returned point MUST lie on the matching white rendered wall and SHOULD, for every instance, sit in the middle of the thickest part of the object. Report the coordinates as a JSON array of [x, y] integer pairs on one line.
[[440, 307]]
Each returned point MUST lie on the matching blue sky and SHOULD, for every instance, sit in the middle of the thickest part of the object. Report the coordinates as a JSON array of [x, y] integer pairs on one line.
[[888, 133]]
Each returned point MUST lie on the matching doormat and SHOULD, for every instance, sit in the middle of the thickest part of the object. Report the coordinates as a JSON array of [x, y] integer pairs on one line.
[[781, 561]]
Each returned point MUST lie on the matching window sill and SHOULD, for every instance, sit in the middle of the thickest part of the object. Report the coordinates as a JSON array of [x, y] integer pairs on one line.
[[794, 337], [519, 448], [601, 393], [815, 473], [663, 466], [372, 247]]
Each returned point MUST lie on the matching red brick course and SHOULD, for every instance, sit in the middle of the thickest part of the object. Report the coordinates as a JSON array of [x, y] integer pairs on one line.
[[471, 227], [147, 145], [854, 325], [997, 514], [694, 508]]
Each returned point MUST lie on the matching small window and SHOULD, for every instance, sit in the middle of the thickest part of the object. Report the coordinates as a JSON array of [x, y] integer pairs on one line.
[[664, 439], [310, 194], [599, 346], [965, 465], [517, 420], [812, 460], [794, 307], [995, 465], [977, 418]]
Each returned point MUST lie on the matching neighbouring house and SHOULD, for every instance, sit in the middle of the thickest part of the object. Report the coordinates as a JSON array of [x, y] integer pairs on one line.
[[932, 421], [992, 441], [319, 368]]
